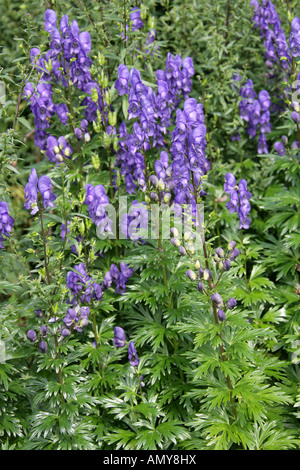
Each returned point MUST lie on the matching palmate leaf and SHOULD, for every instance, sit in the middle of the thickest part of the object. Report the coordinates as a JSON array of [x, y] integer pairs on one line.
[[268, 436], [220, 430]]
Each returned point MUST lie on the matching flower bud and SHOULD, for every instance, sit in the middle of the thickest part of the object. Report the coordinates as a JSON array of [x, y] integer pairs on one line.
[[65, 332], [231, 245], [174, 232], [200, 286], [207, 274], [87, 137], [43, 347], [167, 197], [197, 264], [295, 117], [101, 59], [226, 265], [220, 252], [106, 139], [182, 250], [191, 275], [221, 315], [217, 299], [234, 254], [231, 303], [43, 330], [31, 335], [96, 161], [94, 95], [112, 118], [175, 242]]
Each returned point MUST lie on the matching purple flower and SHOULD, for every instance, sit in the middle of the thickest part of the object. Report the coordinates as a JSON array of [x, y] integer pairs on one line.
[[217, 299], [221, 315], [119, 339], [31, 193], [45, 187], [82, 286], [6, 222], [31, 335], [135, 17], [122, 83], [231, 303], [132, 355], [239, 200], [43, 330], [279, 147], [43, 347], [96, 201], [295, 117]]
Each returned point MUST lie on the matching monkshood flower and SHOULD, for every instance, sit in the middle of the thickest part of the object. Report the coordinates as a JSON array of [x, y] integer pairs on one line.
[[35, 184], [117, 277], [132, 355], [255, 110], [231, 303], [6, 222], [82, 287], [31, 335], [119, 339], [77, 318], [294, 38], [135, 17], [43, 347], [221, 315], [96, 201], [266, 19], [217, 299], [134, 225], [122, 83], [280, 149], [58, 149], [154, 112], [239, 199]]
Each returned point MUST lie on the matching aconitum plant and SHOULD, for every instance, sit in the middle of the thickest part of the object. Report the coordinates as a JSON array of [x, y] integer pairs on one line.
[[149, 275]]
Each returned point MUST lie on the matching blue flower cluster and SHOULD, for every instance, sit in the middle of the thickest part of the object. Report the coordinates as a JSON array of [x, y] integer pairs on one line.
[[96, 200], [6, 222], [44, 186], [267, 20], [66, 63], [255, 110], [76, 318], [117, 277], [82, 287], [154, 112], [239, 199], [188, 146]]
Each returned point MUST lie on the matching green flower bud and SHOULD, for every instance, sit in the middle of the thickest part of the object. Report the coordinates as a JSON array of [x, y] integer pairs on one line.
[[106, 139], [101, 59], [116, 143], [96, 161], [112, 118], [94, 95]]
